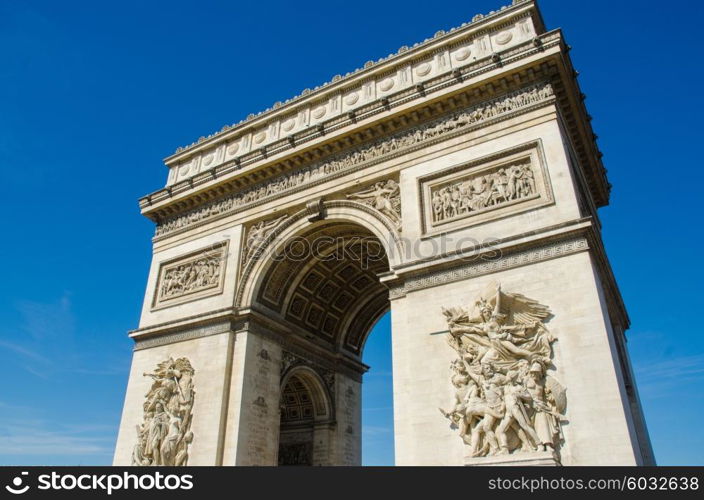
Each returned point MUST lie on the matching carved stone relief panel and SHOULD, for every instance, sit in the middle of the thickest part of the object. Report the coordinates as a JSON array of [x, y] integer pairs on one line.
[[257, 235], [485, 189], [506, 398], [384, 196], [195, 275], [164, 436]]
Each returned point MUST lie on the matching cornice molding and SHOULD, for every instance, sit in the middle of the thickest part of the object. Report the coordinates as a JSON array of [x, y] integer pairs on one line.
[[489, 263], [448, 80], [250, 321], [480, 24]]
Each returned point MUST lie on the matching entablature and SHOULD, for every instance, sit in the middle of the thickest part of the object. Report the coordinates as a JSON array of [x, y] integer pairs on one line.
[[482, 37], [541, 59]]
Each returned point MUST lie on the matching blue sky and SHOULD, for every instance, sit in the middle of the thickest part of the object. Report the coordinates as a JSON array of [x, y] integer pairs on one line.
[[94, 94]]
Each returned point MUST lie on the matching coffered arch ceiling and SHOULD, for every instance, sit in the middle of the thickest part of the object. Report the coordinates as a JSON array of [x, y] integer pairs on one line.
[[326, 283]]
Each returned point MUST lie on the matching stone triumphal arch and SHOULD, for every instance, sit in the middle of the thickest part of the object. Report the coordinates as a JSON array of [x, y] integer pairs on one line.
[[455, 183]]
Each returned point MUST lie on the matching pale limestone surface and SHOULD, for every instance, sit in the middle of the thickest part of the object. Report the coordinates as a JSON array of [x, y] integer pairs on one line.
[[208, 356], [492, 92], [152, 316], [585, 363]]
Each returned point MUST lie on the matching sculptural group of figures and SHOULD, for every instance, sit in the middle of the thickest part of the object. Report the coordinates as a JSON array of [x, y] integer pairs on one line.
[[506, 184], [164, 435], [505, 400], [190, 277]]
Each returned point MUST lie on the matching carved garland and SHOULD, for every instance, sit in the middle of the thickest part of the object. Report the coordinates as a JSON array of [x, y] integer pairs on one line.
[[401, 143]]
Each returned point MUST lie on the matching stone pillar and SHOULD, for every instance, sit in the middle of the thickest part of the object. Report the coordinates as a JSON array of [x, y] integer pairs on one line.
[[252, 429], [348, 406], [323, 443], [208, 351], [599, 427]]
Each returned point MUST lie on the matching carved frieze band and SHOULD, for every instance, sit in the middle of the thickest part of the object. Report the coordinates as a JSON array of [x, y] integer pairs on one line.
[[488, 265], [196, 275], [401, 143], [183, 335]]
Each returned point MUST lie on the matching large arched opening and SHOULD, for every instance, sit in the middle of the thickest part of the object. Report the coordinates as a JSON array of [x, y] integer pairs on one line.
[[323, 283], [306, 420]]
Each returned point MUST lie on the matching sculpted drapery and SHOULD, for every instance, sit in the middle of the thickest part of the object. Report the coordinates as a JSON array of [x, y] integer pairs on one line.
[[505, 399], [164, 435]]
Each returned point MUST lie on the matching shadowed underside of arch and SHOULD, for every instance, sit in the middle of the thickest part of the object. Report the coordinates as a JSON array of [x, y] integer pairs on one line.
[[325, 281]]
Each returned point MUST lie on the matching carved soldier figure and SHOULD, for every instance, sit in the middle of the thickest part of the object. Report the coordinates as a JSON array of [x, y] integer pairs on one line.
[[529, 180], [170, 441], [546, 421], [491, 384], [158, 427], [447, 202], [512, 188], [437, 206], [514, 397]]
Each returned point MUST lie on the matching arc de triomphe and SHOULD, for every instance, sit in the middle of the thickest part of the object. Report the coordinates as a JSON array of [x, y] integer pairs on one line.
[[455, 183]]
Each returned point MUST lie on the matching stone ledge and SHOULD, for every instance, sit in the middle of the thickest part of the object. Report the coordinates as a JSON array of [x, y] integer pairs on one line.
[[535, 458]]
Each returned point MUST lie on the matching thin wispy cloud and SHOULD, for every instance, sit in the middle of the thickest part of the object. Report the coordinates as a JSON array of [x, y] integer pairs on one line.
[[37, 373], [43, 344], [6, 407], [46, 320], [675, 369], [41, 441], [658, 379], [44, 334], [23, 350], [109, 372]]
